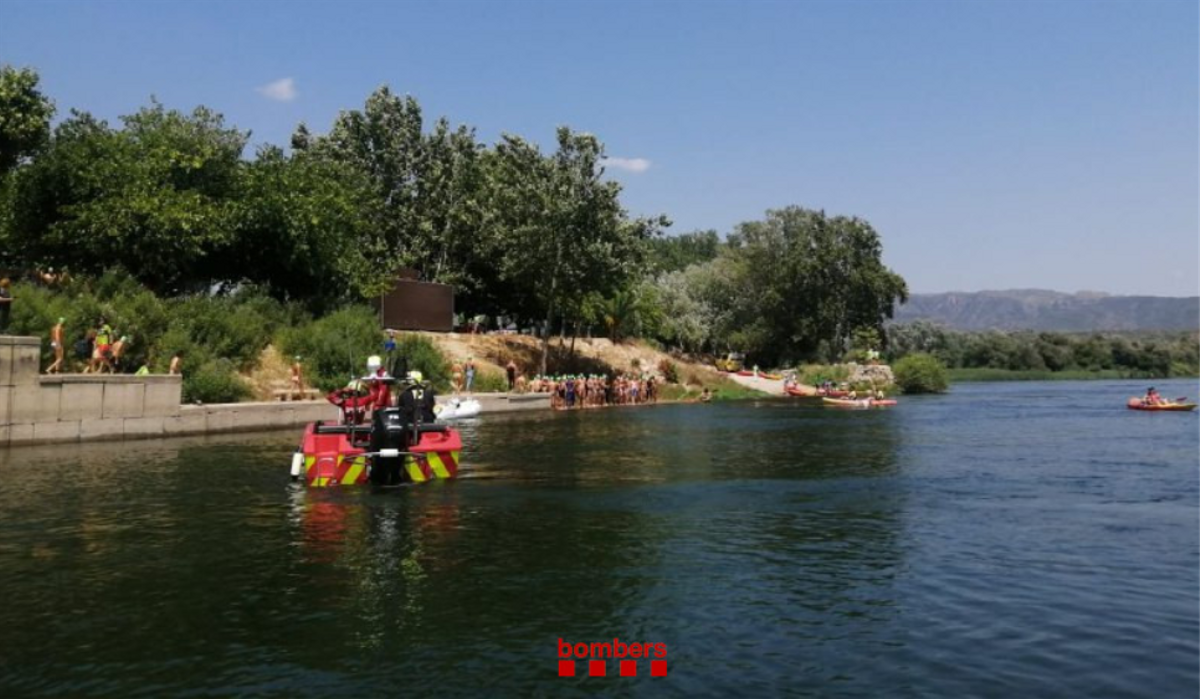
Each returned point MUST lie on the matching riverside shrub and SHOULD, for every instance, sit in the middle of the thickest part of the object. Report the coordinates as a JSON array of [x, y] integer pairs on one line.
[[216, 381], [420, 354], [920, 373], [334, 349]]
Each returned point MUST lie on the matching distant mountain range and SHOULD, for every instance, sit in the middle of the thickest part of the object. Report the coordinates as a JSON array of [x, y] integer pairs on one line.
[[1039, 309]]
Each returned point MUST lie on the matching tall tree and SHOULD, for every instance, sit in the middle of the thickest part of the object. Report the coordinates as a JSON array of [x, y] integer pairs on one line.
[[557, 229], [303, 229], [25, 115], [153, 197]]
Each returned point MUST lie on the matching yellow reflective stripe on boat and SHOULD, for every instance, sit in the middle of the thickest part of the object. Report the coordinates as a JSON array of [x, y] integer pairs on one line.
[[354, 471], [454, 455], [414, 470], [308, 463], [435, 463]]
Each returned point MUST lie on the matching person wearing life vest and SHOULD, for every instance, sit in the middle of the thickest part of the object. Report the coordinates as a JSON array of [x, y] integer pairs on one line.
[[420, 397], [102, 348], [378, 382]]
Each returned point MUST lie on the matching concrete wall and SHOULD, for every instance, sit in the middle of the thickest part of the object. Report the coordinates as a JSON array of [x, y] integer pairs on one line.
[[85, 407], [74, 407]]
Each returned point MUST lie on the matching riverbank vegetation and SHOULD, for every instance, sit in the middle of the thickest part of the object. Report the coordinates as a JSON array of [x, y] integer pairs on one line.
[[996, 355], [167, 223], [535, 239]]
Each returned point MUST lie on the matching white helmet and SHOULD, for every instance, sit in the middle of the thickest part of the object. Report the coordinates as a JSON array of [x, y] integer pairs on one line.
[[373, 363]]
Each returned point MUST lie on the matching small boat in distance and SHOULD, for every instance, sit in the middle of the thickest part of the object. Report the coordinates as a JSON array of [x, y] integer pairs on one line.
[[1178, 407], [859, 403]]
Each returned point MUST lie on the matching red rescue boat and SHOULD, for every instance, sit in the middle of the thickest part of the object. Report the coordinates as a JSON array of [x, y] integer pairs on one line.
[[398, 443]]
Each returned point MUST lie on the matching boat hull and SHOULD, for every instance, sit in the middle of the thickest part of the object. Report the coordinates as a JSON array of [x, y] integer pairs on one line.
[[329, 460], [1137, 404], [858, 403]]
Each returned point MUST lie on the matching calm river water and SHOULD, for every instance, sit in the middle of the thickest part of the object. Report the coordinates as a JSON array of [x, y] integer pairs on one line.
[[1006, 540]]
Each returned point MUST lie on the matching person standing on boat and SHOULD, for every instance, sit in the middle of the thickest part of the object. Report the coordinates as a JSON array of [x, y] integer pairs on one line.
[[56, 344], [419, 397], [379, 383], [176, 363]]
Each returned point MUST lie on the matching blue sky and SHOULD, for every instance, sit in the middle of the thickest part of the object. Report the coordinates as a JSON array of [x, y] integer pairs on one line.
[[992, 144]]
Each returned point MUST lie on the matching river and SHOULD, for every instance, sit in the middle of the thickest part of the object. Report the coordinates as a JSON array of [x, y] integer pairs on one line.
[[1014, 539]]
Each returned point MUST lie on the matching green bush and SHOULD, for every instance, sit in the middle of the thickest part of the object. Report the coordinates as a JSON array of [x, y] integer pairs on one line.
[[334, 349], [489, 381], [669, 371], [418, 353], [815, 374], [920, 373], [214, 382]]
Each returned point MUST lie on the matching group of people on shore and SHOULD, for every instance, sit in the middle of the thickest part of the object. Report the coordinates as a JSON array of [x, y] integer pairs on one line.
[[593, 391], [99, 351]]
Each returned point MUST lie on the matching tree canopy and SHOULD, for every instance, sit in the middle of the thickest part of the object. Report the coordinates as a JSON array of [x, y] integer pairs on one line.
[[173, 198]]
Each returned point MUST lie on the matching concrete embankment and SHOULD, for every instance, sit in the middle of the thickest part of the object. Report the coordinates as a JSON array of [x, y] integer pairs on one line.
[[92, 407]]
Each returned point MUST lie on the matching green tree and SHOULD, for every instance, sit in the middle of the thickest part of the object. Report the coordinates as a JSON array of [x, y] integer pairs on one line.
[[802, 281], [677, 252], [556, 228], [154, 197], [25, 115], [303, 229]]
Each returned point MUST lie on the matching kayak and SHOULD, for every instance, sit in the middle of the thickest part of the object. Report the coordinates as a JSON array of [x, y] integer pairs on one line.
[[800, 392], [1138, 404], [832, 393], [859, 403]]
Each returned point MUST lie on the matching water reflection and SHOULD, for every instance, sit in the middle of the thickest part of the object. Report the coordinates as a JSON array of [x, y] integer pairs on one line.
[[773, 546]]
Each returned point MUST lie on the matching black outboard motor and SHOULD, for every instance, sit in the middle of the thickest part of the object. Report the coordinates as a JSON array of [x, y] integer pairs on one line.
[[388, 432]]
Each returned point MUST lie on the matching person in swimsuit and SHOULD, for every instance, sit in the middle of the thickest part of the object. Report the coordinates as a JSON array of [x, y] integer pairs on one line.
[[56, 344]]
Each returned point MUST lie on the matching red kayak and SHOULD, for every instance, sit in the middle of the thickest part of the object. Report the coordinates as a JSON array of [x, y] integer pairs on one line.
[[832, 393], [1139, 404]]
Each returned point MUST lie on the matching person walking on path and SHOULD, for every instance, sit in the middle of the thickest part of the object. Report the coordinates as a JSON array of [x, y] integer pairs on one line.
[[118, 352], [511, 370], [85, 350], [469, 373], [104, 340], [56, 344], [6, 300], [176, 363]]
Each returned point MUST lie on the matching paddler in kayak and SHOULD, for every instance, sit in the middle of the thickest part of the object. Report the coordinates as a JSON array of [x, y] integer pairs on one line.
[[1152, 397]]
